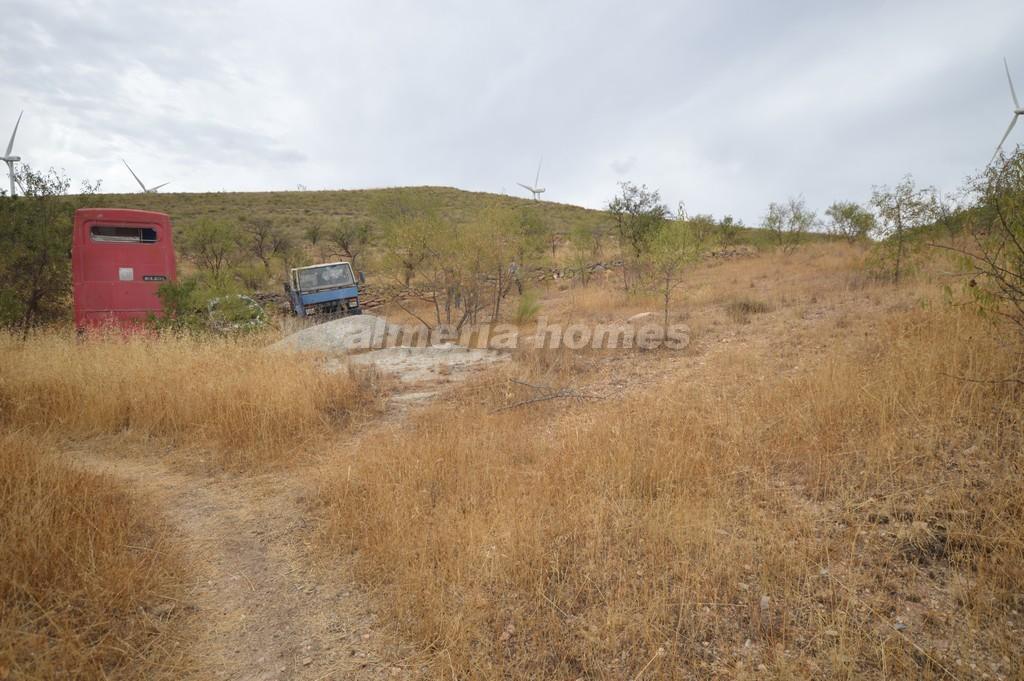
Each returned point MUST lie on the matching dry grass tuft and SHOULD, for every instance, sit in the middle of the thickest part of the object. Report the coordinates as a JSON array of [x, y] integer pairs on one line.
[[249, 406], [712, 526], [88, 576], [741, 310]]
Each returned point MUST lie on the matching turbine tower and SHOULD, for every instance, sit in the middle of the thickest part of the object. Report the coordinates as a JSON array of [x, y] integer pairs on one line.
[[145, 189], [536, 189], [1017, 110], [11, 160]]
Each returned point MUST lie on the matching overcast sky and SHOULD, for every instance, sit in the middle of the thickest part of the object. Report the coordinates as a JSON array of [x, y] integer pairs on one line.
[[726, 106]]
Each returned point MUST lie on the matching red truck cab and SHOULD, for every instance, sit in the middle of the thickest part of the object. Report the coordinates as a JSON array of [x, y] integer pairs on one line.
[[119, 258]]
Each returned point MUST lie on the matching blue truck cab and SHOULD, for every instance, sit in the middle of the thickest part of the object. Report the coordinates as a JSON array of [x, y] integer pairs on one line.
[[330, 288]]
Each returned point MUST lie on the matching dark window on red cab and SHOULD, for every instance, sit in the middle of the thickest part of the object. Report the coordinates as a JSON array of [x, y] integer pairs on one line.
[[122, 235]]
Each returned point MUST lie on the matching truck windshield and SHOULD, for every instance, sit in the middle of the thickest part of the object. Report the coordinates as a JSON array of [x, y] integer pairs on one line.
[[328, 276]]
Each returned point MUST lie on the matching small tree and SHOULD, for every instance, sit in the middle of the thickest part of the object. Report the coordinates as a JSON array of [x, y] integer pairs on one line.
[[850, 221], [674, 246], [639, 214], [997, 231], [313, 231], [531, 234], [788, 222], [950, 215], [409, 224], [213, 245], [729, 231], [703, 228], [582, 244], [348, 239], [902, 211], [264, 239], [35, 242]]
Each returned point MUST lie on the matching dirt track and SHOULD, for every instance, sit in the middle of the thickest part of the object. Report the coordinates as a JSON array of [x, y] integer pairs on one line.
[[262, 606]]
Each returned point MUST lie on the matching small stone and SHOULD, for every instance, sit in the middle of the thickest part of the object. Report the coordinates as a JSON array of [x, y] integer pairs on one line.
[[306, 661], [766, 604]]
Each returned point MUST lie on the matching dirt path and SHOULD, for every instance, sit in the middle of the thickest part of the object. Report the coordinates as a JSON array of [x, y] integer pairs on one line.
[[263, 608]]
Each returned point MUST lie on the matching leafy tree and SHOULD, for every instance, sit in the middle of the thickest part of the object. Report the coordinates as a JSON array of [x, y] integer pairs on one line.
[[639, 214], [410, 223], [729, 231], [213, 245], [676, 245], [851, 221], [703, 229], [788, 222], [35, 244], [902, 211], [996, 228]]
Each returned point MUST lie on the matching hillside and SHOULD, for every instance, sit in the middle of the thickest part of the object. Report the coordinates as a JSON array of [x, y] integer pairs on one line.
[[297, 208], [824, 482]]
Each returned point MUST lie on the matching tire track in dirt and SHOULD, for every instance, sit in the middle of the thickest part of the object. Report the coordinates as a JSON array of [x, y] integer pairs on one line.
[[262, 608]]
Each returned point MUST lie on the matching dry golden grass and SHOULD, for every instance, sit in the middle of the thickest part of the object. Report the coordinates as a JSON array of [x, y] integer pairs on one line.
[[87, 574], [755, 511], [247, 406]]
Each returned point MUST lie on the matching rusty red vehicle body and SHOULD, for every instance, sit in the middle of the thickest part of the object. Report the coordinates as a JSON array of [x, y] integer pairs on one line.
[[119, 258]]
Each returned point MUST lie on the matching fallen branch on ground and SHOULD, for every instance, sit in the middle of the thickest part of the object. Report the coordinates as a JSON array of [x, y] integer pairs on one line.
[[544, 393]]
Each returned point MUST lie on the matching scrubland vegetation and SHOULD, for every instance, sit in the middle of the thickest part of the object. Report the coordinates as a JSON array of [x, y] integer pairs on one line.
[[826, 482], [842, 513]]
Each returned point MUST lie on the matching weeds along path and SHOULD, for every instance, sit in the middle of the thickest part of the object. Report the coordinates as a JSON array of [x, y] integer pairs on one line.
[[262, 607]]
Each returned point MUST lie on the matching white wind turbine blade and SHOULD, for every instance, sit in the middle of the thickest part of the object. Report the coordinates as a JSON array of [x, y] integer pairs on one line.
[[10, 145], [529, 189], [1013, 122], [134, 175], [153, 189], [1013, 93], [536, 180]]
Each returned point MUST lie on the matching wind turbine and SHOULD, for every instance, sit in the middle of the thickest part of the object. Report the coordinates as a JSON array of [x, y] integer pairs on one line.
[[1017, 111], [536, 190], [145, 189], [11, 160]]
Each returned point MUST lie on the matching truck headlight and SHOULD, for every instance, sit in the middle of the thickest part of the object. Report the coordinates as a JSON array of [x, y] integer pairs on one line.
[[353, 302]]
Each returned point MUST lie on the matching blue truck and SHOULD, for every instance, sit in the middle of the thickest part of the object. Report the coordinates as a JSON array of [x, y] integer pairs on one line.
[[327, 289]]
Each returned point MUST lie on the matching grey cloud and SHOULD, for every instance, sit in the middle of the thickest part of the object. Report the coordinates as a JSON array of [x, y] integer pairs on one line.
[[725, 106]]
